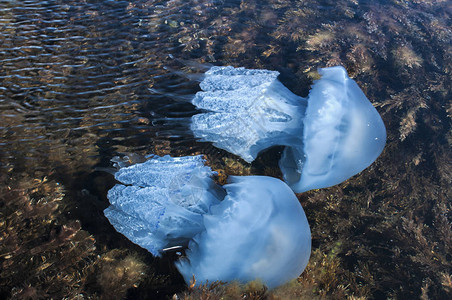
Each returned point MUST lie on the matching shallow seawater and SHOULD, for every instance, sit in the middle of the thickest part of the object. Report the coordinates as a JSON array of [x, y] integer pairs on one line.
[[84, 81]]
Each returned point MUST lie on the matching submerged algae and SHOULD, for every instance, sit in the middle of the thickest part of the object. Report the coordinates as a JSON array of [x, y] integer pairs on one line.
[[45, 254]]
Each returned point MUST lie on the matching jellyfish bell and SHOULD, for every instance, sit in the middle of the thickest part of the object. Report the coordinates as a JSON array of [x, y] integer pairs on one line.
[[259, 231], [252, 228], [330, 136], [342, 134]]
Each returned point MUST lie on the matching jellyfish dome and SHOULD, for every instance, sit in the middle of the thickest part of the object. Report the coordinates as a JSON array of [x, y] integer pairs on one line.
[[258, 231], [252, 228], [330, 136]]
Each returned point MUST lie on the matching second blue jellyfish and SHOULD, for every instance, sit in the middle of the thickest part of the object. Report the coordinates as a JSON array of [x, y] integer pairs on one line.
[[329, 136], [252, 228]]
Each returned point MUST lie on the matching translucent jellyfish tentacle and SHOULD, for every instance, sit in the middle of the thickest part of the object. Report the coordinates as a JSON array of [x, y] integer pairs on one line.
[[248, 110], [160, 203]]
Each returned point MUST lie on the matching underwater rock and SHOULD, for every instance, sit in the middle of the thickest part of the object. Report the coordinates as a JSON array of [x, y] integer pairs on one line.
[[251, 228], [330, 136]]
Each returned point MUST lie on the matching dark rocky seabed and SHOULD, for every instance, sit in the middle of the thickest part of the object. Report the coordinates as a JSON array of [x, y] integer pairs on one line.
[[84, 81]]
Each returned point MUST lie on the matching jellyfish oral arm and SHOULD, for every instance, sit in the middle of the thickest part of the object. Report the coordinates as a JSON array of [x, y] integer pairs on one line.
[[248, 111]]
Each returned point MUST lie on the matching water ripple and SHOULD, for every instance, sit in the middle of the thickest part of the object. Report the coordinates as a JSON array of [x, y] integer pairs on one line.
[[83, 70]]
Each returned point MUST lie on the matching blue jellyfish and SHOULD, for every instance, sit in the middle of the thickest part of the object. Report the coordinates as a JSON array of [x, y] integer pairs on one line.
[[329, 136], [251, 228]]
